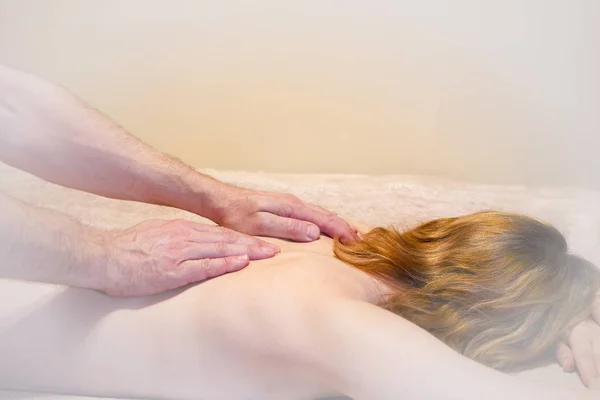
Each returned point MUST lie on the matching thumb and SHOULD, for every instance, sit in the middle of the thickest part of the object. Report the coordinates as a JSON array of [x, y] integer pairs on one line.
[[564, 356]]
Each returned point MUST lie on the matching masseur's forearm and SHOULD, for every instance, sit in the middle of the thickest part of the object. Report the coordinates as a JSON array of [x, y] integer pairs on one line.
[[41, 245], [49, 132]]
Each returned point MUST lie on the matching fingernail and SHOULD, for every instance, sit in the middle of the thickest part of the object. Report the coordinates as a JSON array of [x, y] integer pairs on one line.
[[268, 249], [273, 247], [312, 232], [243, 257]]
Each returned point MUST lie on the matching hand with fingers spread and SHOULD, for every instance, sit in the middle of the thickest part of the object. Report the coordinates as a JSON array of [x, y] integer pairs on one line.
[[158, 255], [580, 351], [278, 215]]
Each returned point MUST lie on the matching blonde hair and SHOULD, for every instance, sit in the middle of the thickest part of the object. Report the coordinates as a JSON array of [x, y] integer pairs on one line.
[[499, 288]]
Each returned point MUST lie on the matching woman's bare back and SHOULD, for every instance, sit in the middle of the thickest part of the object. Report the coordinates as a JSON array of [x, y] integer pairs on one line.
[[219, 339]]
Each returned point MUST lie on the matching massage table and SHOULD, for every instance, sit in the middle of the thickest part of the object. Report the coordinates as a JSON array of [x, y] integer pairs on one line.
[[401, 200]]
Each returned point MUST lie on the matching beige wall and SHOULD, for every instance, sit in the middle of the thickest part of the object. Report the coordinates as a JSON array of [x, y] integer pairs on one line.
[[499, 91]]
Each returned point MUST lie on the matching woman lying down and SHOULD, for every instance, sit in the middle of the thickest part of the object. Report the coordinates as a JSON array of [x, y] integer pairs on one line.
[[436, 312]]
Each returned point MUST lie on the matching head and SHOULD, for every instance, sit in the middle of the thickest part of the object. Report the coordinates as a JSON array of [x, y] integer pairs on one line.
[[499, 288]]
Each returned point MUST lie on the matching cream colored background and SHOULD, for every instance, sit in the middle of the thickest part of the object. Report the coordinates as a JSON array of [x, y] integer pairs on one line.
[[497, 91]]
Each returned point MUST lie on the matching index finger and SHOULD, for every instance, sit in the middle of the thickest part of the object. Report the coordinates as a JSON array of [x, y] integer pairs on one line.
[[328, 222], [211, 234]]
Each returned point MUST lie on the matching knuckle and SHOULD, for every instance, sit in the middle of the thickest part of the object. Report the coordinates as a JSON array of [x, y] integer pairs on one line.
[[229, 235], [204, 264], [226, 232], [175, 248], [231, 218], [220, 247], [331, 216], [259, 223], [177, 232], [208, 268], [297, 227], [291, 198], [247, 200], [286, 209], [253, 202], [169, 260]]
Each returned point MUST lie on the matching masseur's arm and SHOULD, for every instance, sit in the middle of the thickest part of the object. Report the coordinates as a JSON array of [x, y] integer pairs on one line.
[[37, 244], [47, 131], [371, 353]]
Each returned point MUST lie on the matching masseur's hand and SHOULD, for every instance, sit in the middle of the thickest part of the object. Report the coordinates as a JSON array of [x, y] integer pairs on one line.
[[581, 351], [278, 215], [159, 255]]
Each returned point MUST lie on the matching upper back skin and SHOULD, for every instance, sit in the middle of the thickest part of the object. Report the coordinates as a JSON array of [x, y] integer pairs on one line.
[[225, 338]]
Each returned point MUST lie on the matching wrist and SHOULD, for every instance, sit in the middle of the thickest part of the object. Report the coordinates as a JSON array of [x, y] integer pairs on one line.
[[199, 194], [92, 260]]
